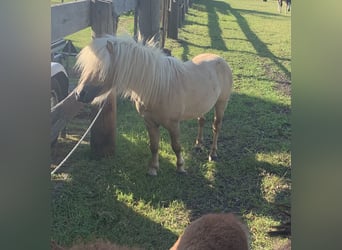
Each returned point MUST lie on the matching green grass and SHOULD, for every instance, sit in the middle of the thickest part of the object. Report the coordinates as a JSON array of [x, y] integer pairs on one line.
[[112, 198]]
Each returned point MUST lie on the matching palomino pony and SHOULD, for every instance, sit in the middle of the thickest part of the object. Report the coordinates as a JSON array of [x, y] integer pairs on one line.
[[164, 89]]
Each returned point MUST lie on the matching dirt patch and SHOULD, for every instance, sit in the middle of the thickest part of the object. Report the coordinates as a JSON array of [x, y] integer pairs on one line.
[[284, 87], [282, 80]]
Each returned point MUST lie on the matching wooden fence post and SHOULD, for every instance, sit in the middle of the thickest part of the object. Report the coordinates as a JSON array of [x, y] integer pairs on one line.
[[186, 6], [165, 16], [103, 132], [149, 19], [180, 14], [102, 18], [172, 30]]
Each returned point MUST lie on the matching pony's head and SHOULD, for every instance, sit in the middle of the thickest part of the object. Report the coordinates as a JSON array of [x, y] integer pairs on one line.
[[94, 63]]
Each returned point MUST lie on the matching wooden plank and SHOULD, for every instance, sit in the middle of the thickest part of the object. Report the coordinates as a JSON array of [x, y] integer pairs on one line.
[[122, 6], [68, 18], [63, 112]]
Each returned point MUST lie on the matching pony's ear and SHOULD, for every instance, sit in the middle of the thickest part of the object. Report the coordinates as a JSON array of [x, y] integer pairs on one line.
[[110, 47]]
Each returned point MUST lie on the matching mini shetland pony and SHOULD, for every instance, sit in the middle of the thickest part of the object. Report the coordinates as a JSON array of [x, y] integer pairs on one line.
[[214, 232], [164, 89]]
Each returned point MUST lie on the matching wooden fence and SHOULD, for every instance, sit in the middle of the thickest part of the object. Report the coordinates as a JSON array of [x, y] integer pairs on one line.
[[161, 17]]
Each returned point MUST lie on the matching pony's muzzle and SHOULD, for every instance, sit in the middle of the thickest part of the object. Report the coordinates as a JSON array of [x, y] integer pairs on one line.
[[88, 93]]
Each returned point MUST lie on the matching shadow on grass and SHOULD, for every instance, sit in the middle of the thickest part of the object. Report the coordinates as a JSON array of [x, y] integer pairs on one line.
[[88, 205], [215, 32], [98, 199], [87, 209]]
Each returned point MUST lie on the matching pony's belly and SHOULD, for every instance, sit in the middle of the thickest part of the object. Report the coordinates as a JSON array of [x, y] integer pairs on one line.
[[200, 100], [176, 111], [197, 110]]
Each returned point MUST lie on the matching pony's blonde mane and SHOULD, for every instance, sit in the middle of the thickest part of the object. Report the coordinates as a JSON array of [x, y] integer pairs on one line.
[[141, 72]]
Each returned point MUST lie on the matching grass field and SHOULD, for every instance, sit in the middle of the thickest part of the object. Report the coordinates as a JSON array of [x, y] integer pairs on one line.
[[112, 198]]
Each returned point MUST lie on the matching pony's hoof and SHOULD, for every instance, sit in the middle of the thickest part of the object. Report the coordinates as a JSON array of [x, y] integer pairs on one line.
[[152, 172], [213, 158], [182, 171]]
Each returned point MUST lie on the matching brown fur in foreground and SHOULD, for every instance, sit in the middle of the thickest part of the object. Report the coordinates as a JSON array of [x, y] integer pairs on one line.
[[97, 245], [209, 232], [214, 232]]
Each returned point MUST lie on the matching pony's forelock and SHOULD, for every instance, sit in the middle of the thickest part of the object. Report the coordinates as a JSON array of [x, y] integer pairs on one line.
[[94, 60]]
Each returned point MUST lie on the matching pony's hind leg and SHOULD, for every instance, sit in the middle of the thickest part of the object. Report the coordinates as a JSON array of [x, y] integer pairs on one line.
[[199, 139], [154, 134], [174, 132], [217, 124]]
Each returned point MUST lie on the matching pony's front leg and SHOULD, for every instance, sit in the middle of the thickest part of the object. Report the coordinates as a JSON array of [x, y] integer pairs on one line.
[[174, 132], [153, 132], [199, 139]]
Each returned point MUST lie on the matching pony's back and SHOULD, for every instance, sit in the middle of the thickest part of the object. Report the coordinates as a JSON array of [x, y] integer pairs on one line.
[[213, 232]]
